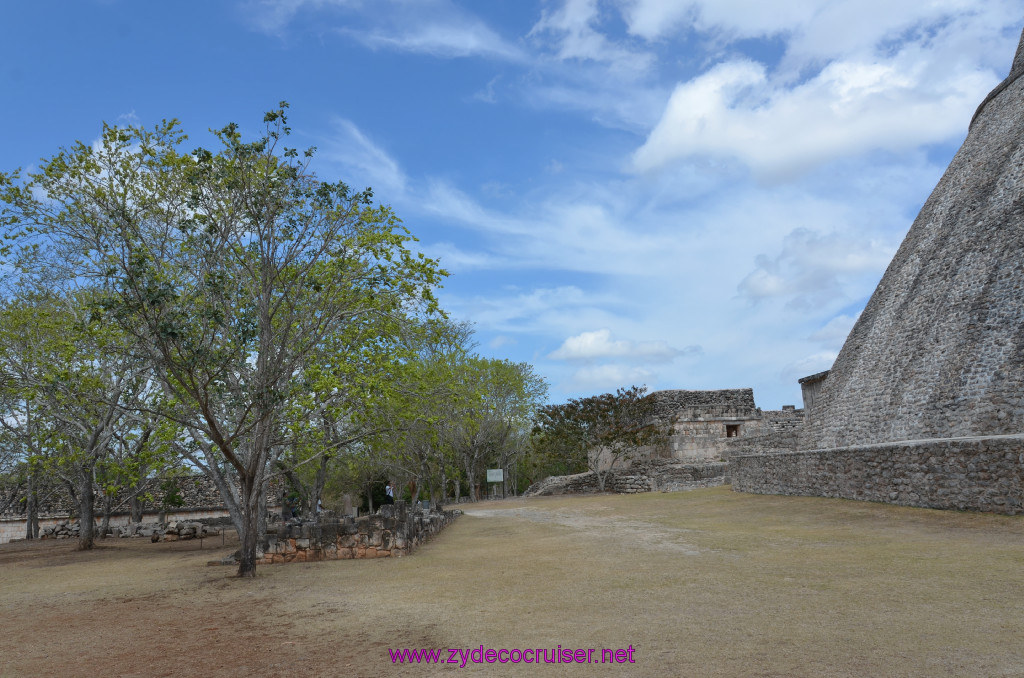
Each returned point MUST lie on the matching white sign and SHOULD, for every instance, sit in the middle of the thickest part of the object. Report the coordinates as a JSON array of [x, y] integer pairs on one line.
[[495, 475]]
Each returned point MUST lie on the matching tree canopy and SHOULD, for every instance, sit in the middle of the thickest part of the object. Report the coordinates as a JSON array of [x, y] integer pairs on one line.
[[599, 431], [243, 281]]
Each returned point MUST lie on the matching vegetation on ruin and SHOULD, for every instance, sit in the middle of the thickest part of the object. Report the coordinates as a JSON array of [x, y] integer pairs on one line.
[[598, 432]]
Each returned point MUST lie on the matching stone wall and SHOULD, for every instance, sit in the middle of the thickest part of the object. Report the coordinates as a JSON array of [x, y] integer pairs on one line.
[[702, 421], [650, 475], [777, 431], [975, 473], [577, 483], [393, 531], [786, 420], [174, 530], [197, 492], [724, 402], [810, 388], [13, 529]]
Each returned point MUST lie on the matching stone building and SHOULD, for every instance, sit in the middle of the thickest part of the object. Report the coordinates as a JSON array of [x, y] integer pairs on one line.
[[706, 428], [703, 421], [711, 425], [925, 402]]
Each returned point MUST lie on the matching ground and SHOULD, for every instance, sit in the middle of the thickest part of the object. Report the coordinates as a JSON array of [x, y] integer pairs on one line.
[[702, 583]]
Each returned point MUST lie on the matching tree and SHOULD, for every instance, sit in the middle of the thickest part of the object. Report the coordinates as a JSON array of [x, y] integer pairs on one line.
[[76, 386], [24, 438], [498, 401], [605, 429], [231, 272]]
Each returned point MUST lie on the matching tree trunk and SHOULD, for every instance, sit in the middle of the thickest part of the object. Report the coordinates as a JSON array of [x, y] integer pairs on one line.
[[318, 485], [72, 494], [421, 480], [136, 509], [31, 509], [249, 536], [105, 523], [86, 497], [261, 520]]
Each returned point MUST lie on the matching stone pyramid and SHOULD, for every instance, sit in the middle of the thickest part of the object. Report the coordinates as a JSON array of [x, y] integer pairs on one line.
[[925, 403], [939, 350]]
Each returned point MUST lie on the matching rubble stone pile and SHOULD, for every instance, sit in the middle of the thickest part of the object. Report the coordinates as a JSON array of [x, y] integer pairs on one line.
[[181, 529]]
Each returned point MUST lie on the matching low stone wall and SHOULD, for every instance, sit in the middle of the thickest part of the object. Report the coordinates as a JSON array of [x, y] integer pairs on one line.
[[650, 475], [974, 474], [172, 531], [393, 531], [196, 492], [766, 443], [13, 529], [577, 483]]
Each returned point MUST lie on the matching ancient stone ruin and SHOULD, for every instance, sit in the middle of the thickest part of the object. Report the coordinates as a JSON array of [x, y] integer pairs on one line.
[[647, 475], [393, 531], [705, 426], [924, 405]]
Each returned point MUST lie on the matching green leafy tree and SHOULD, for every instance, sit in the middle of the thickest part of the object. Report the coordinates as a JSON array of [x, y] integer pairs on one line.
[[603, 430], [498, 401], [77, 382], [231, 271]]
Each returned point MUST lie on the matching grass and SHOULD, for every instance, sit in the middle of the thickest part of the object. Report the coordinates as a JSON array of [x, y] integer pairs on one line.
[[703, 583]]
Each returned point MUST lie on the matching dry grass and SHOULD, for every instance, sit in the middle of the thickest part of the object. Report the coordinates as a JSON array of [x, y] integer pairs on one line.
[[704, 583]]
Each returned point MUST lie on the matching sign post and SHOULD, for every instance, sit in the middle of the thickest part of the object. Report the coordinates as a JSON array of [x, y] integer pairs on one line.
[[496, 475]]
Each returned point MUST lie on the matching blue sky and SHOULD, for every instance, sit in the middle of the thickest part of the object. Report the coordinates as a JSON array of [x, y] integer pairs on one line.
[[682, 194]]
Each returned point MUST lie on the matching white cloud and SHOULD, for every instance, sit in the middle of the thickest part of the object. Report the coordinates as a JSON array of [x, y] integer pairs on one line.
[[455, 259], [435, 27], [811, 364], [833, 334], [825, 29], [575, 38], [365, 163], [607, 378], [596, 345], [501, 340], [735, 110], [652, 19], [488, 94], [461, 38], [813, 268], [538, 310], [274, 16]]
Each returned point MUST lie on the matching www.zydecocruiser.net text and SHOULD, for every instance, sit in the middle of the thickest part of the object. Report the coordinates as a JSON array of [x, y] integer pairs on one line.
[[464, 656]]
